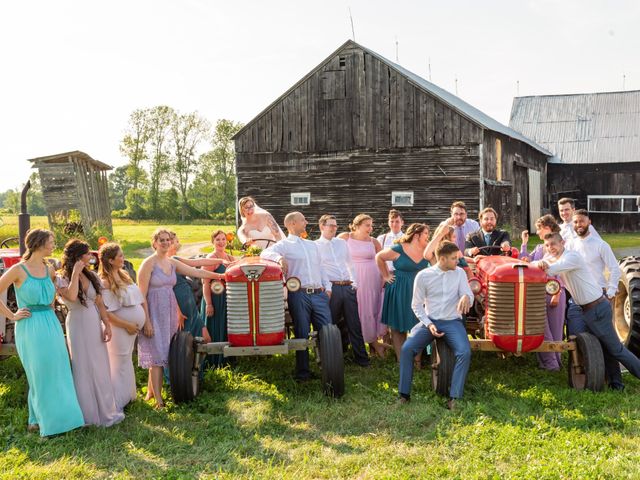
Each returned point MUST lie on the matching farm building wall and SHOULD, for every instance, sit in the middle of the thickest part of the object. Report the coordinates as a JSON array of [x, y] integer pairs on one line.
[[350, 133], [580, 180]]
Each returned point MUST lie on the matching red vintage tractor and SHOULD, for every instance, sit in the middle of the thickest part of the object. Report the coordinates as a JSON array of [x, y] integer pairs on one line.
[[509, 315], [256, 326]]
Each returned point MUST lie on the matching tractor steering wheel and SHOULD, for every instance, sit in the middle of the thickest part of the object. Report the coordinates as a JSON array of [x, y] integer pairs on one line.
[[493, 250], [8, 242], [249, 243]]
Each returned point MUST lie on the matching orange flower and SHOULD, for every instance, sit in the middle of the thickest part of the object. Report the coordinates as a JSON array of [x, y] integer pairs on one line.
[[304, 235], [230, 237]]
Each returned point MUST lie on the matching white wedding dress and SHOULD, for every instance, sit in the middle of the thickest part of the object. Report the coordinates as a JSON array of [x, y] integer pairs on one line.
[[261, 237]]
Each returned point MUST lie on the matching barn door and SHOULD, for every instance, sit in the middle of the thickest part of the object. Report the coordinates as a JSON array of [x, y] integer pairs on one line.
[[535, 198]]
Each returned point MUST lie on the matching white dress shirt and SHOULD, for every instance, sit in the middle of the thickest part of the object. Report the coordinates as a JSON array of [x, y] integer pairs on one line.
[[568, 233], [598, 256], [577, 277], [460, 233], [386, 240], [303, 261], [436, 293], [336, 260]]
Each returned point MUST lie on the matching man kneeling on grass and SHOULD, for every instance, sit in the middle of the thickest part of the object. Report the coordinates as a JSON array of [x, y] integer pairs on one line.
[[441, 294]]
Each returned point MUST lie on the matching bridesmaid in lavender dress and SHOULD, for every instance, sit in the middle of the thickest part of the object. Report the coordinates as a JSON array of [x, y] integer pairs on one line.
[[556, 304], [363, 249], [156, 279], [81, 290]]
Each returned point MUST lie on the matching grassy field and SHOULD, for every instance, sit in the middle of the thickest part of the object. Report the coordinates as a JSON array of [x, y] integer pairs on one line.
[[254, 421]]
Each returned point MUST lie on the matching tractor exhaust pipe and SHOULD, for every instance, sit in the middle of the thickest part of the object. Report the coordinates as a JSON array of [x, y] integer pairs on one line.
[[24, 219]]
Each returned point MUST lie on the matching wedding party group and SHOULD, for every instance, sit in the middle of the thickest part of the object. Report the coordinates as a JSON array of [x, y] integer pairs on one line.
[[396, 292]]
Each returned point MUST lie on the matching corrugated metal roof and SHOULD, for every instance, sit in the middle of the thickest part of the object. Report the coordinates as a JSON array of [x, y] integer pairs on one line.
[[582, 128], [450, 99]]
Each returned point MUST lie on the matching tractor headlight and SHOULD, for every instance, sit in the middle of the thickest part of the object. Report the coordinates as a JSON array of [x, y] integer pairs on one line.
[[552, 287], [293, 284], [217, 287], [475, 286]]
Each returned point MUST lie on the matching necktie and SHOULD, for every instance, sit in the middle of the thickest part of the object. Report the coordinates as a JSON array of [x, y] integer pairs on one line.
[[460, 238], [487, 238]]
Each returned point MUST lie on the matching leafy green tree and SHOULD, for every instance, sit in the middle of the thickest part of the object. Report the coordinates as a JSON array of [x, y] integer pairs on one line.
[[188, 131], [12, 201], [159, 121], [134, 201], [35, 198], [119, 185], [134, 145]]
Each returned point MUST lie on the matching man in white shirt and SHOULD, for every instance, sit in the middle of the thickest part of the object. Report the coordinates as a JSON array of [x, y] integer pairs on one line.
[[462, 225], [337, 263], [441, 295], [396, 222], [310, 305], [595, 308], [566, 208]]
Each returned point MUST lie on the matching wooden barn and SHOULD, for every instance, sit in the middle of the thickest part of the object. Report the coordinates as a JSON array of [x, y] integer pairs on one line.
[[360, 133], [75, 181], [595, 139]]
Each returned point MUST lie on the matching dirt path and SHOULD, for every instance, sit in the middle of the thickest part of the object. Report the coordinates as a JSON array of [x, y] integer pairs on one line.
[[187, 250], [623, 252]]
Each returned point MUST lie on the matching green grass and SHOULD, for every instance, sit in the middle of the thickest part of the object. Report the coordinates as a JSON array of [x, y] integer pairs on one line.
[[255, 422]]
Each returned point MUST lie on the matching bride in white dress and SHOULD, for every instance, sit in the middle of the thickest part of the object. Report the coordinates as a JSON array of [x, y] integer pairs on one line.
[[258, 226]]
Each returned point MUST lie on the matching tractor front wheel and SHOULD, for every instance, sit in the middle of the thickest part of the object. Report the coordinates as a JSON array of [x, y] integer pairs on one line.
[[183, 374], [586, 364], [331, 361], [442, 365], [626, 310]]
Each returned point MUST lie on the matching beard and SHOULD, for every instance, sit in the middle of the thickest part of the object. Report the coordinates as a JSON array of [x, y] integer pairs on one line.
[[582, 231]]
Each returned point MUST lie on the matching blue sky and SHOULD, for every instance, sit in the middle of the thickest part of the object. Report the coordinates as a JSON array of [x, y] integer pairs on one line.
[[72, 71]]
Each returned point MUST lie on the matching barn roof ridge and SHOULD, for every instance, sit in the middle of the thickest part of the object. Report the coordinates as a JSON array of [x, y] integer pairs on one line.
[[464, 108], [75, 153]]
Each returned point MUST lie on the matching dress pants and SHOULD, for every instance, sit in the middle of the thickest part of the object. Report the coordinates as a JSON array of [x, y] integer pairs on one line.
[[455, 336], [599, 321], [307, 309], [344, 304]]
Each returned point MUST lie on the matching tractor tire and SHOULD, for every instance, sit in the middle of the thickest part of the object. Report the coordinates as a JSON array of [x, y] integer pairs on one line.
[[331, 361], [184, 377], [590, 374], [441, 367], [626, 309]]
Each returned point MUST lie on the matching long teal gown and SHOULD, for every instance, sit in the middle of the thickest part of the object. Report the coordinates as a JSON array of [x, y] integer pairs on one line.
[[187, 303], [217, 323], [396, 307], [53, 403]]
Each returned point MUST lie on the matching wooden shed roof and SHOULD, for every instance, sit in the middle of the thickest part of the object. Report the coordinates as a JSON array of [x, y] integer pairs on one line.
[[462, 107], [64, 158]]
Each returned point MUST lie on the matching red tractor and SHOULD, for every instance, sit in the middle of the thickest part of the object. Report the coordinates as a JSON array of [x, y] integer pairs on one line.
[[256, 326], [509, 315]]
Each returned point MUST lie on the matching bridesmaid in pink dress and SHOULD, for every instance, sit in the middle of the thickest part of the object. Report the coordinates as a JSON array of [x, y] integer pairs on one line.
[[363, 249]]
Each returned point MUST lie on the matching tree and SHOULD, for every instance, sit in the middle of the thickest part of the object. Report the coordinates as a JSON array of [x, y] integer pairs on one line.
[[159, 121], [12, 201], [187, 130], [35, 198], [224, 157], [134, 145], [119, 185]]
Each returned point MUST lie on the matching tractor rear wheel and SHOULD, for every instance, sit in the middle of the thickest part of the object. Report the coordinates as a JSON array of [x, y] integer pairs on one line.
[[183, 374], [331, 361], [442, 365], [588, 373], [626, 310]]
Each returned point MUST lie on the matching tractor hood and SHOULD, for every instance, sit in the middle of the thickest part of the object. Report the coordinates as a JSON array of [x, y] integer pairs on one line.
[[253, 268], [507, 269]]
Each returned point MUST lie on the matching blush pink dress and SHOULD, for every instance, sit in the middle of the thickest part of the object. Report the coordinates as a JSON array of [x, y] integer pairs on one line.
[[369, 293]]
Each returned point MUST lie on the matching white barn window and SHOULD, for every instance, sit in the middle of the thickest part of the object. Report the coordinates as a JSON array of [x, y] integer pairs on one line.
[[613, 203], [401, 199], [301, 198]]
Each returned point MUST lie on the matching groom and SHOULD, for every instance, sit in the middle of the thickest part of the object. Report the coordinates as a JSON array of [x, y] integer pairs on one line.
[[310, 304]]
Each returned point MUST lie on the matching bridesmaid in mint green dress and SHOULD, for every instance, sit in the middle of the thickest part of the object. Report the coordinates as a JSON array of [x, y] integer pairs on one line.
[[53, 405]]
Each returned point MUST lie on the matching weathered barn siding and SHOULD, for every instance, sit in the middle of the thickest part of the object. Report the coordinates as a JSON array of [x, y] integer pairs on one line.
[[578, 181], [359, 127], [364, 104], [348, 184]]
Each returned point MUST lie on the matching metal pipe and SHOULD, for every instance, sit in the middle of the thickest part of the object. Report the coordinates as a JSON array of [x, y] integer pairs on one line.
[[24, 219]]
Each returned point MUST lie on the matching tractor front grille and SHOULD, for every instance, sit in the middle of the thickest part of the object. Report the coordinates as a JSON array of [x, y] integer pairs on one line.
[[503, 307], [270, 298]]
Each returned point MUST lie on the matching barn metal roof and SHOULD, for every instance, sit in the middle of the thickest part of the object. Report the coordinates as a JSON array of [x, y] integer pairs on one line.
[[582, 128], [465, 109]]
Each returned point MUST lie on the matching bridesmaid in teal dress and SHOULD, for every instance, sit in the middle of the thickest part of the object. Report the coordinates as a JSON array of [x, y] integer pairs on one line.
[[214, 307], [53, 404], [408, 259]]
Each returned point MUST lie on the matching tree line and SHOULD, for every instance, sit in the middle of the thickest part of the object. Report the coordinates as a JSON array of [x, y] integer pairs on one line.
[[179, 167]]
